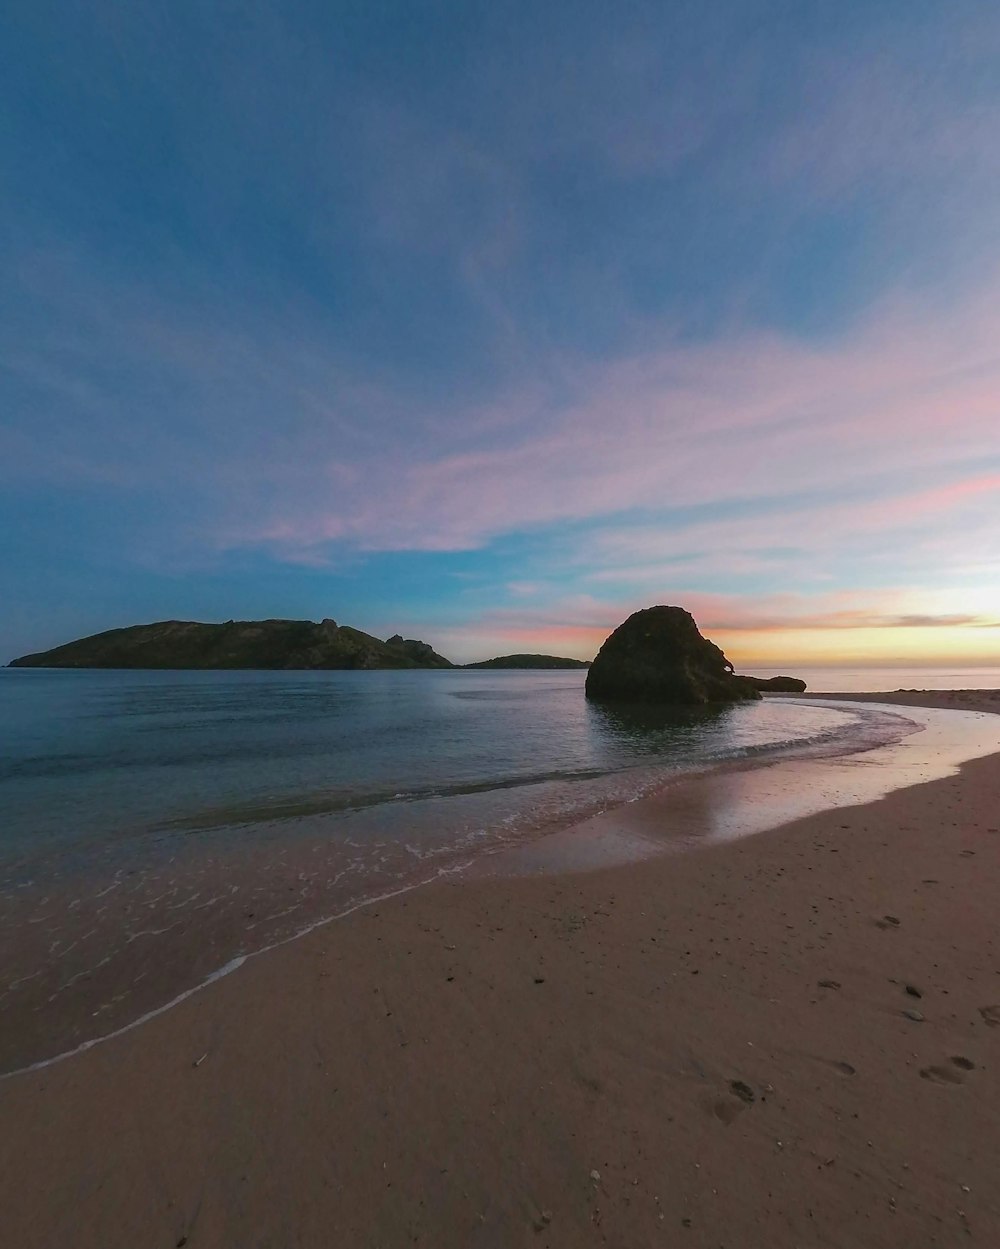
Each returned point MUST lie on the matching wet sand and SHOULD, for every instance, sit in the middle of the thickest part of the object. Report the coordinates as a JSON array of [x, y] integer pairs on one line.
[[788, 1040], [953, 700]]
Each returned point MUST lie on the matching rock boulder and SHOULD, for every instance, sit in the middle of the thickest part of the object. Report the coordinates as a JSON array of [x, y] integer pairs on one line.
[[658, 656], [778, 685]]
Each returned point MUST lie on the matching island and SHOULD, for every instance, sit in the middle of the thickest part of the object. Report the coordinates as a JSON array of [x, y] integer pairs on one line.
[[777, 685], [266, 644], [530, 661]]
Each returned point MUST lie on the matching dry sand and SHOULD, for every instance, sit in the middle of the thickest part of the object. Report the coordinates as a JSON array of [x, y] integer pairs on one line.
[[791, 1040]]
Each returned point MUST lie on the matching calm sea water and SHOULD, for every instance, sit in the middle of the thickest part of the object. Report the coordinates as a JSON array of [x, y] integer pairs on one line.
[[154, 825], [860, 680], [133, 759]]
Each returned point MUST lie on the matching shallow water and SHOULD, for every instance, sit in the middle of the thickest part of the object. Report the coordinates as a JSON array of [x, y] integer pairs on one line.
[[91, 760], [157, 825], [739, 800]]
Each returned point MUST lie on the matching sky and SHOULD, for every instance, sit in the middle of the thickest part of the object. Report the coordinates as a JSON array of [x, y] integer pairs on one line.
[[490, 323]]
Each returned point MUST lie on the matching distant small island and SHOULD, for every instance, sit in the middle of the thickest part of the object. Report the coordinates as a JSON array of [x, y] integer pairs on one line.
[[259, 644], [530, 661], [777, 685]]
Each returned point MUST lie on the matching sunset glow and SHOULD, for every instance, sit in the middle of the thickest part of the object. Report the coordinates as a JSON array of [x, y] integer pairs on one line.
[[886, 647]]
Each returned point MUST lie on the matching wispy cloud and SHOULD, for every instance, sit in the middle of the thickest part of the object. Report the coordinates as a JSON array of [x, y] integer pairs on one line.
[[808, 451], [910, 395]]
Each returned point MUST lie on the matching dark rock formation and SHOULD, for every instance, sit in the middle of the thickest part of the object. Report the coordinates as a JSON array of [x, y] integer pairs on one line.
[[275, 644], [529, 661], [419, 653], [778, 685], [658, 656]]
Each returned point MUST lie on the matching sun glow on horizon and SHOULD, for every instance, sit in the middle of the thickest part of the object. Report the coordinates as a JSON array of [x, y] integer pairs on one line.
[[968, 645], [952, 646]]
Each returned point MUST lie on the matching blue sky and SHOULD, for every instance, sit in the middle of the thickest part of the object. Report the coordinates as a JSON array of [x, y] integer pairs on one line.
[[492, 322]]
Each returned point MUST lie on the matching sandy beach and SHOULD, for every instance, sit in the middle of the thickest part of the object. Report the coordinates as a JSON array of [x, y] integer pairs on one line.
[[788, 1040]]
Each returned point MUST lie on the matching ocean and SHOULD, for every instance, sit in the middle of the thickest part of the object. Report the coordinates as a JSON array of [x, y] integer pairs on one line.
[[154, 826], [834, 680]]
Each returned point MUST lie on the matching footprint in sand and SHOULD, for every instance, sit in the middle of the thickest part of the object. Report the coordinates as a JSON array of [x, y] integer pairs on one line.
[[726, 1109], [941, 1074], [741, 1096], [991, 1015]]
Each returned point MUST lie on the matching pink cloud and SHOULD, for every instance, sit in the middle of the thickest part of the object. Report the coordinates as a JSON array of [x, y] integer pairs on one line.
[[796, 537], [755, 416]]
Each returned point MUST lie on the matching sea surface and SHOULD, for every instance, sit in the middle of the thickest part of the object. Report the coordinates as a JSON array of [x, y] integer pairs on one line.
[[155, 826], [130, 762], [834, 680]]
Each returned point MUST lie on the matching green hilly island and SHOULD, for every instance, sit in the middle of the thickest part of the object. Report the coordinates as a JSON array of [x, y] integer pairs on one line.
[[275, 644], [263, 644]]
